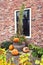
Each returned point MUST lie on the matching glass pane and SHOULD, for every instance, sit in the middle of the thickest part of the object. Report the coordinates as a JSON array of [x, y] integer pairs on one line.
[[26, 22]]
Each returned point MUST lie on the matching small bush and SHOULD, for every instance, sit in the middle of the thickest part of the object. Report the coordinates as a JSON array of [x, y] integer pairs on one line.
[[5, 44]]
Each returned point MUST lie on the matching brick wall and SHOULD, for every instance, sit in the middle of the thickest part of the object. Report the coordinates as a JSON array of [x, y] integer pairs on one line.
[[7, 8]]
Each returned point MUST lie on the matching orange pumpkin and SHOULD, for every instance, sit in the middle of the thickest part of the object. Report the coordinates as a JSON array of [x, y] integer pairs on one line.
[[25, 49], [15, 52], [16, 40], [12, 63], [11, 47]]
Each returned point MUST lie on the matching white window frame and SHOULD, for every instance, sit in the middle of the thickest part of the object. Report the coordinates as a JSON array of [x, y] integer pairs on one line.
[[16, 22]]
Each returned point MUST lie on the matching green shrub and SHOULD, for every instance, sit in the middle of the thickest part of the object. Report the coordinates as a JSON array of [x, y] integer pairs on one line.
[[36, 50], [5, 44], [31, 46]]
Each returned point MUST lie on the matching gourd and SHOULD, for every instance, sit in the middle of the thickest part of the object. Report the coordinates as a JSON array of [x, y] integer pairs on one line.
[[25, 49], [15, 52], [11, 47], [16, 40]]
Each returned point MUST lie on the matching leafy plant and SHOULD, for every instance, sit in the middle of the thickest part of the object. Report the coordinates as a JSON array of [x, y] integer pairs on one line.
[[39, 61], [2, 56], [24, 59], [6, 44], [31, 46], [2, 51], [20, 19], [20, 23], [40, 52], [3, 60], [21, 38], [36, 50], [34, 54]]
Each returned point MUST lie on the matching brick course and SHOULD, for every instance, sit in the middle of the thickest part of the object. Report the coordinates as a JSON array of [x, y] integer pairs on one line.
[[7, 8]]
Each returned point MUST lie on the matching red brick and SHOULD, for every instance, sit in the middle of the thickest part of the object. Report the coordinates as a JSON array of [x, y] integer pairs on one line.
[[7, 8]]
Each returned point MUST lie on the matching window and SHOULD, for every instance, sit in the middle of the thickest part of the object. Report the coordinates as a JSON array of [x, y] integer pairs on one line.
[[26, 22]]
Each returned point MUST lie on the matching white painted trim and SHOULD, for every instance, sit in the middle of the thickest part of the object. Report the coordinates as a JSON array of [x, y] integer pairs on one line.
[[16, 22]]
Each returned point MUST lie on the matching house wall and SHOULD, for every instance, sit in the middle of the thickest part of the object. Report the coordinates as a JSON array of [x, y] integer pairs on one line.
[[7, 23]]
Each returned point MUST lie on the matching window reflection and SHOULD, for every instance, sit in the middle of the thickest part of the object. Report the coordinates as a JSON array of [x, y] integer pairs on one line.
[[26, 22]]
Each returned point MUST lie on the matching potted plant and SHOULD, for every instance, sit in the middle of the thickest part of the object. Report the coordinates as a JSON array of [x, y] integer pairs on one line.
[[18, 42], [19, 39]]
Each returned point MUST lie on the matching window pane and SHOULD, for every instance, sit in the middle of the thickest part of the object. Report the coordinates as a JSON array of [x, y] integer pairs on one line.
[[26, 22]]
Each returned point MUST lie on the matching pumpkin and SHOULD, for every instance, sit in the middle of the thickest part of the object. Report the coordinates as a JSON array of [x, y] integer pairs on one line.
[[25, 49], [11, 47], [16, 40], [12, 63], [15, 52]]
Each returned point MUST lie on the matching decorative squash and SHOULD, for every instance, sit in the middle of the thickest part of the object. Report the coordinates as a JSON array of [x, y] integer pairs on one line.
[[15, 52], [16, 40], [12, 63], [25, 49], [11, 47]]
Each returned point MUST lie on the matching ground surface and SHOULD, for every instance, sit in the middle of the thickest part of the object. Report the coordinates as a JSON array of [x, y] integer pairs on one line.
[[16, 59]]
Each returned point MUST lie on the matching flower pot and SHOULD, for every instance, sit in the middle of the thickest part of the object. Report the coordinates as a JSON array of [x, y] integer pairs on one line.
[[19, 46]]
